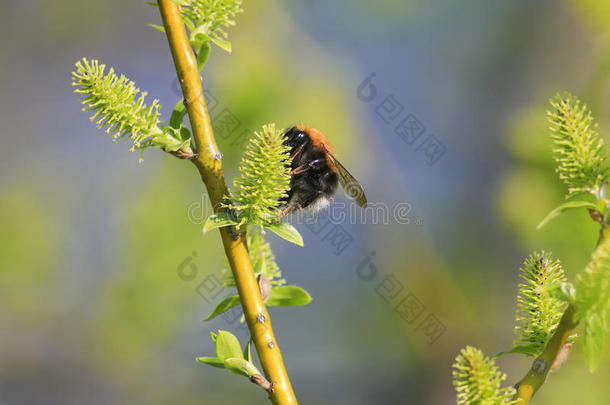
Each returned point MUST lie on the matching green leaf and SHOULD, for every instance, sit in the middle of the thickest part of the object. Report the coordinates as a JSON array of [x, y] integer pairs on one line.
[[594, 339], [218, 221], [178, 113], [181, 2], [241, 366], [203, 54], [227, 346], [224, 44], [214, 336], [288, 296], [286, 231], [211, 361], [185, 133], [528, 350], [157, 27], [224, 306], [178, 146], [248, 351], [564, 207], [198, 36]]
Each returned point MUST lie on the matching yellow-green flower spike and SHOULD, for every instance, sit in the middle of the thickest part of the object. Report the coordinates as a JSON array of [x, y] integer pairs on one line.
[[119, 106], [477, 380], [579, 150]]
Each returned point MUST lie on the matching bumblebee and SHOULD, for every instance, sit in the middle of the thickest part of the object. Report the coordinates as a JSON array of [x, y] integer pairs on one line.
[[315, 172]]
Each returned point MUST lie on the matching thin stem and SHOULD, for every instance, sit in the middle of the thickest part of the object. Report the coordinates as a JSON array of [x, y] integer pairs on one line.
[[208, 163], [536, 376]]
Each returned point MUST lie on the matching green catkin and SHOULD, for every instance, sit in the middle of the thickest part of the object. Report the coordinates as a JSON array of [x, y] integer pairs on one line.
[[578, 150], [538, 314], [264, 178], [477, 380], [214, 15], [119, 106]]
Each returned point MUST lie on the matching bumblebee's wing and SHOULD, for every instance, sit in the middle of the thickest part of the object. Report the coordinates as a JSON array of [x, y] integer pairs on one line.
[[351, 186]]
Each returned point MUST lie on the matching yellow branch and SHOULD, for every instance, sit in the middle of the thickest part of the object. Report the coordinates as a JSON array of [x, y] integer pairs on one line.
[[210, 168]]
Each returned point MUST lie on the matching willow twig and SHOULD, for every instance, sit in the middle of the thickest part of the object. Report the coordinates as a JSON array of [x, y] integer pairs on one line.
[[208, 163]]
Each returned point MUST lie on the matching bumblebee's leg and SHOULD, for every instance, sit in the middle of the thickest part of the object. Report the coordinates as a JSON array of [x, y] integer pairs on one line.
[[296, 151], [307, 166], [299, 170], [287, 210]]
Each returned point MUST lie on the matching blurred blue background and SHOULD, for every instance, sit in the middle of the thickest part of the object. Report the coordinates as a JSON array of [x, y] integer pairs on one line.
[[92, 305]]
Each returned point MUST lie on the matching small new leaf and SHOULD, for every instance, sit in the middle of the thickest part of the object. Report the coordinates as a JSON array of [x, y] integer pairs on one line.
[[211, 361], [178, 114], [219, 220], [241, 366], [288, 296], [526, 350], [227, 346], [280, 296], [248, 351], [286, 231], [157, 27], [224, 306], [564, 207], [203, 54]]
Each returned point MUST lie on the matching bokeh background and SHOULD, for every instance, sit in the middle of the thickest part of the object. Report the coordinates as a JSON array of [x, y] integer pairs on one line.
[[92, 307]]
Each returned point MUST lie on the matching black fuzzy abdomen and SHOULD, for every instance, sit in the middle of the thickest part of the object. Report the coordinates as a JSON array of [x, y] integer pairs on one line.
[[318, 180]]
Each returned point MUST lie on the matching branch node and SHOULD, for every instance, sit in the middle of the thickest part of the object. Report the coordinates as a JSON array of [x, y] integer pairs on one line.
[[264, 285], [263, 383], [539, 367], [260, 318], [180, 154]]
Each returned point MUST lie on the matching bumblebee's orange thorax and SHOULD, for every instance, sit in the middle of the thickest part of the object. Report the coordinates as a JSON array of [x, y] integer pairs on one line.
[[319, 141]]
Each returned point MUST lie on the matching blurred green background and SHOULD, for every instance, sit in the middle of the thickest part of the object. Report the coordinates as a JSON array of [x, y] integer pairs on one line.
[[92, 243]]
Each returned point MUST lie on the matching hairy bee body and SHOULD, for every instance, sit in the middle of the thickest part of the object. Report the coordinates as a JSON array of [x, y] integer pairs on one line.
[[314, 179]]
